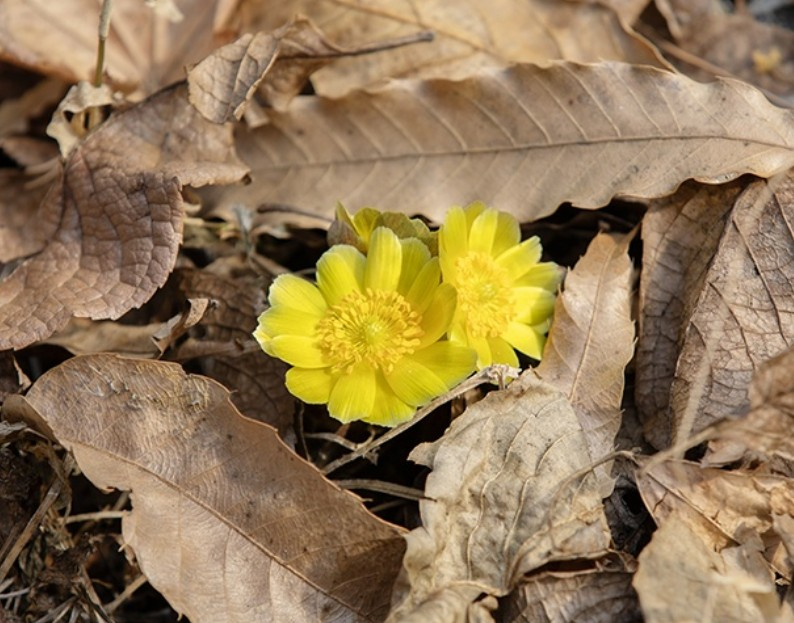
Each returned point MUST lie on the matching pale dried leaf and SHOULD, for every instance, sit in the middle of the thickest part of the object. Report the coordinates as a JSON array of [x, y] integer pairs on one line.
[[82, 336], [594, 596], [222, 83], [680, 578], [509, 492], [227, 522], [80, 98], [469, 36], [763, 437], [120, 217], [28, 218], [760, 53], [525, 139], [627, 10], [591, 341], [257, 378], [176, 327], [145, 51], [736, 308]]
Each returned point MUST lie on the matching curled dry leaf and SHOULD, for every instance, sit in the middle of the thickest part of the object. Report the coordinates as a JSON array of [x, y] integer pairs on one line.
[[591, 341], [681, 578], [223, 347], [227, 522], [222, 83], [763, 437], [145, 50], [82, 336], [603, 596], [120, 223], [468, 36], [528, 138], [716, 303], [510, 491]]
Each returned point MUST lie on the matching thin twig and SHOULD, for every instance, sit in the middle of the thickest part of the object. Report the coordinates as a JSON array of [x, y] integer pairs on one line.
[[133, 586], [492, 374], [104, 28], [390, 488]]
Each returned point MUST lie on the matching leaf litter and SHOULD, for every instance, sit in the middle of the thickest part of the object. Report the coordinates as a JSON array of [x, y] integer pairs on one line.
[[131, 348]]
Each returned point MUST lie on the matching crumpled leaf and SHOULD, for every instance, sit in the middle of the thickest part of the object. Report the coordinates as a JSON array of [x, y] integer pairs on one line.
[[714, 302], [145, 50], [509, 492], [82, 336], [527, 138], [557, 597], [591, 341], [468, 36], [12, 379], [222, 347], [763, 437], [680, 578], [227, 522], [721, 507], [120, 217], [80, 98], [223, 82]]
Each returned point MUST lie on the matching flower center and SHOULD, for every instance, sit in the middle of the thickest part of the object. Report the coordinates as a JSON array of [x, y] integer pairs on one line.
[[377, 328], [485, 300]]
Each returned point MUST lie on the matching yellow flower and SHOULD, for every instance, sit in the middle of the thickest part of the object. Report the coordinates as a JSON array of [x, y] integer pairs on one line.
[[365, 338], [505, 297], [356, 229]]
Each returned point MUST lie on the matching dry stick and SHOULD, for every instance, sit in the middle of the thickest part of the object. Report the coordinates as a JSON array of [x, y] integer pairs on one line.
[[380, 486], [133, 586], [104, 28], [495, 374]]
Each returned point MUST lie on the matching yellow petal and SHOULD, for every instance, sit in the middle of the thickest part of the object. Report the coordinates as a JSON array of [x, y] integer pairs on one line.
[[508, 234], [526, 339], [285, 320], [384, 261], [415, 255], [340, 271], [472, 211], [353, 395], [364, 222], [547, 275], [312, 386], [502, 352], [449, 361], [532, 305], [421, 291], [521, 259], [437, 316], [296, 293], [483, 349], [298, 351], [388, 409], [414, 383], [453, 242], [483, 230]]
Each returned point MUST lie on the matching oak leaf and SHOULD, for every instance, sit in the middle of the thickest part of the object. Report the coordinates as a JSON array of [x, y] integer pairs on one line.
[[227, 522], [527, 139], [120, 210]]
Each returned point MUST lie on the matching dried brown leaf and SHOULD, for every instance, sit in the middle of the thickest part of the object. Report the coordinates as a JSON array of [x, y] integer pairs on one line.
[[627, 10], [555, 597], [120, 217], [222, 83], [591, 341], [227, 523], [525, 139], [27, 218], [145, 50], [82, 336], [763, 437], [716, 303], [681, 578], [256, 378], [720, 506], [469, 36], [12, 379], [510, 491]]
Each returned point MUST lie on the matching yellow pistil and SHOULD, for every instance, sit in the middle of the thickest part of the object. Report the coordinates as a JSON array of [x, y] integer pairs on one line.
[[485, 301], [376, 327]]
